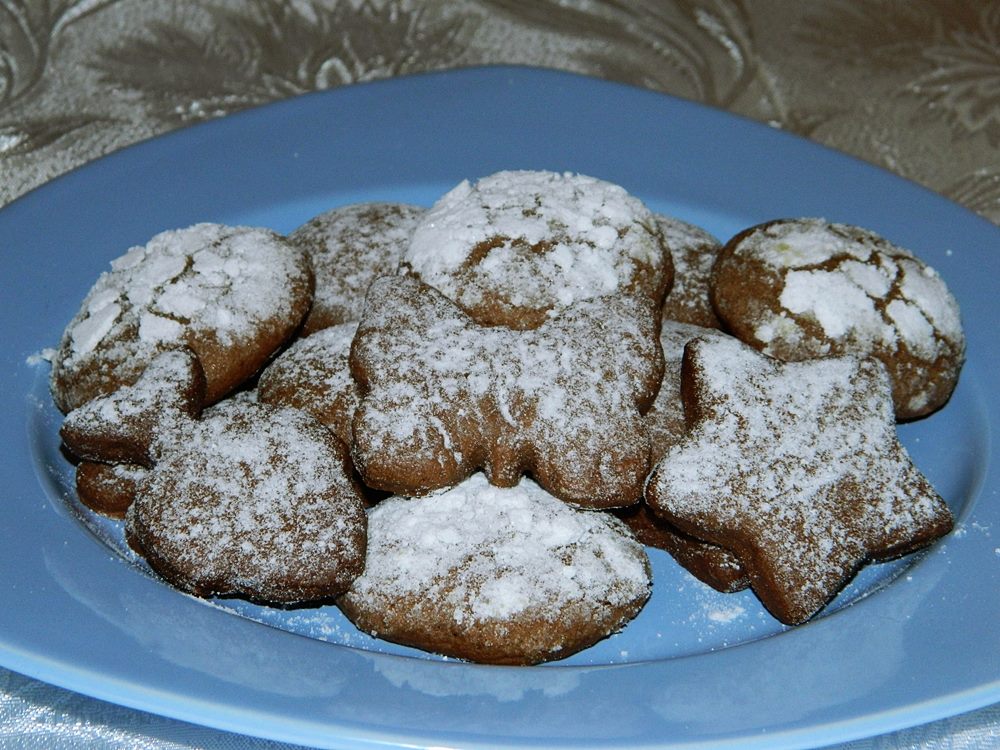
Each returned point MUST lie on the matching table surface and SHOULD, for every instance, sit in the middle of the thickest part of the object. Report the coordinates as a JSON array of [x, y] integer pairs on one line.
[[913, 87]]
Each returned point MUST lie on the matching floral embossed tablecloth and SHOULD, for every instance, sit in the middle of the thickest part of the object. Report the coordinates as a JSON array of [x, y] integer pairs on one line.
[[910, 85]]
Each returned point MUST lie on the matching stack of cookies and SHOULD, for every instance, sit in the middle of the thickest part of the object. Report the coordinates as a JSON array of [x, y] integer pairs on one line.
[[462, 424]]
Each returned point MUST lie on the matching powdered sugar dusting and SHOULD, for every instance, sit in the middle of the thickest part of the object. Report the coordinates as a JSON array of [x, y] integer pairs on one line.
[[798, 462], [534, 239], [823, 289], [487, 553], [693, 251], [349, 247], [254, 500], [314, 374], [207, 282], [438, 388]]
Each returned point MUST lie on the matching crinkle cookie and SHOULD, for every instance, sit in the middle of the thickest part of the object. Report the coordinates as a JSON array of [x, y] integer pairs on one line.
[[803, 288], [232, 295], [693, 251], [515, 246], [496, 575], [314, 374], [349, 246], [443, 396], [796, 468], [248, 500]]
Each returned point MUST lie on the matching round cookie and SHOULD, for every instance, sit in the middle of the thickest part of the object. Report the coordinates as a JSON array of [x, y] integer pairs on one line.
[[252, 501], [314, 374], [349, 246], [693, 251], [516, 245], [502, 576], [232, 295], [804, 288]]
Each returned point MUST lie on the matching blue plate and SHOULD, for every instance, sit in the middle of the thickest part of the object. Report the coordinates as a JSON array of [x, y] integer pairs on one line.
[[906, 643]]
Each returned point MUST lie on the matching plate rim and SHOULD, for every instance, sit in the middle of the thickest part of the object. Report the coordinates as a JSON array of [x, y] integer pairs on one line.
[[891, 719]]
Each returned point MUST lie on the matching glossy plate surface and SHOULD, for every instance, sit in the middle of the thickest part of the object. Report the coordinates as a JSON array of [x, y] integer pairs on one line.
[[906, 643]]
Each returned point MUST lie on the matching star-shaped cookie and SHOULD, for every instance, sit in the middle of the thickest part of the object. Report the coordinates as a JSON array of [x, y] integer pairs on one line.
[[796, 468]]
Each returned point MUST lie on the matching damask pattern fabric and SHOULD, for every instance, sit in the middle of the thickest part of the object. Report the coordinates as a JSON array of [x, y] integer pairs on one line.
[[909, 85]]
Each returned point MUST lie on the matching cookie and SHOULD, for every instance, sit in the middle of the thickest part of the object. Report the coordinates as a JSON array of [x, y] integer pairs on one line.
[[711, 564], [248, 500], [516, 246], [443, 396], [665, 419], [136, 423], [496, 575], [108, 489], [254, 501], [232, 295], [693, 251], [803, 288], [796, 468], [349, 246], [313, 374]]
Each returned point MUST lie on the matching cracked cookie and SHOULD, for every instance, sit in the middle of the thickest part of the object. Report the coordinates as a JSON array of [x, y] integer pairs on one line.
[[233, 295], [515, 246], [803, 288]]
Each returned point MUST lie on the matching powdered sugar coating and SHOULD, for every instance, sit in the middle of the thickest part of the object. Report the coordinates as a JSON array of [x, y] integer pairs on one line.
[[108, 489], [693, 251], [231, 294], [667, 425], [795, 467], [806, 288], [350, 246], [665, 418], [515, 245], [314, 375], [509, 575], [443, 396], [254, 501], [136, 423]]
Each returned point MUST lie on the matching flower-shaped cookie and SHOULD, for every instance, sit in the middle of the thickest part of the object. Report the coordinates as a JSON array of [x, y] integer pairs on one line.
[[443, 396]]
